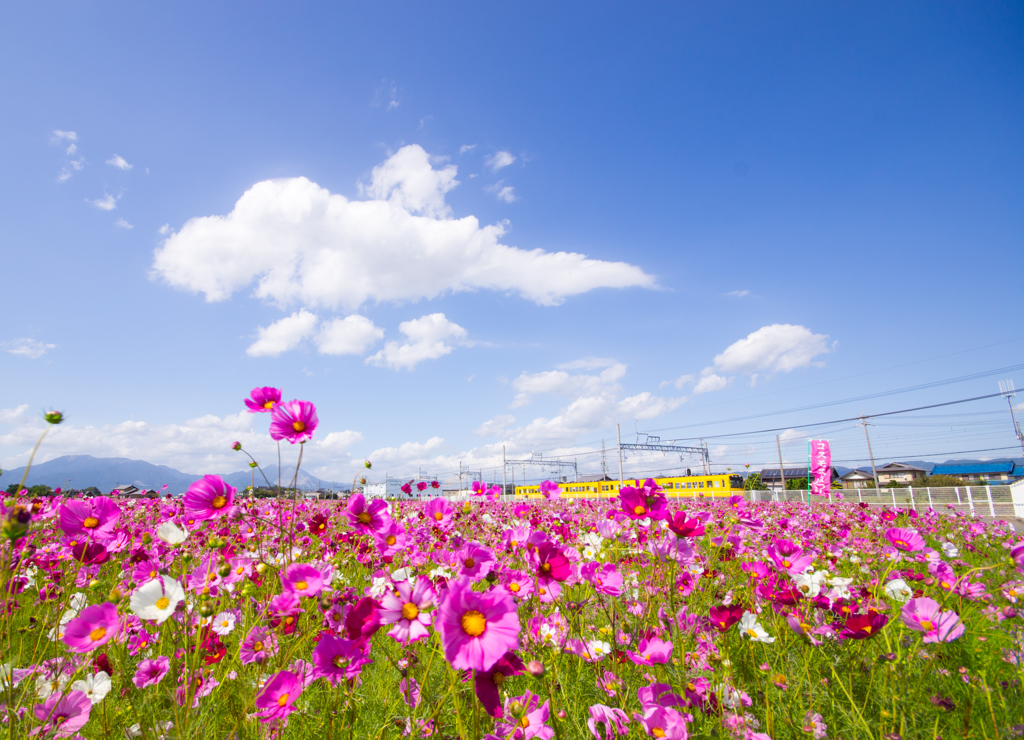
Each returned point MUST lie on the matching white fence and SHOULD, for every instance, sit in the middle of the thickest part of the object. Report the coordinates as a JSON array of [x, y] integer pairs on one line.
[[993, 501]]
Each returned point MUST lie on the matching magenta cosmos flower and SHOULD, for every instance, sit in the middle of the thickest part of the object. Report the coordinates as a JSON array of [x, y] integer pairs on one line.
[[293, 420], [905, 539], [63, 715], [277, 700], [94, 518], [404, 608], [438, 512], [209, 498], [367, 518], [337, 659], [476, 629], [475, 561], [302, 579], [151, 672], [258, 646], [262, 400], [552, 563], [604, 578], [95, 626], [925, 615]]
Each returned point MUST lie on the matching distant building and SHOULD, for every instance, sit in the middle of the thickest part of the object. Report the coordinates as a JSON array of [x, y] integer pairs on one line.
[[896, 472], [994, 472], [771, 478], [859, 478], [125, 490]]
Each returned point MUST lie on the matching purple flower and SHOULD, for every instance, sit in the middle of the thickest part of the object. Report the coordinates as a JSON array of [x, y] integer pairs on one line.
[[63, 714], [475, 561], [93, 518], [294, 420], [476, 629], [302, 579], [405, 607], [925, 615], [151, 672], [905, 539], [337, 659], [95, 626], [614, 721], [262, 400], [367, 518], [604, 578], [277, 700], [528, 719], [209, 498], [258, 646]]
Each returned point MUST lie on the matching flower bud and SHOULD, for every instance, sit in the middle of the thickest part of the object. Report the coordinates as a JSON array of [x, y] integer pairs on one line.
[[224, 571], [115, 595], [261, 568], [367, 464], [54, 417], [93, 584], [206, 608], [253, 465], [535, 668], [236, 446], [146, 538]]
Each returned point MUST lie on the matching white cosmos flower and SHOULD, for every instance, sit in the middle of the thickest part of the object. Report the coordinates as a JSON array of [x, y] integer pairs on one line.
[[77, 601], [589, 553], [224, 623], [841, 586], [171, 533], [95, 686], [156, 600], [592, 539], [950, 550], [810, 582], [56, 633], [898, 590], [751, 629], [380, 587], [598, 648], [47, 686]]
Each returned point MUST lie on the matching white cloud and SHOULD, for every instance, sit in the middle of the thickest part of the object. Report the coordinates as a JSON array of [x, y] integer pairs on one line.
[[165, 229], [792, 435], [199, 446], [427, 340], [107, 203], [775, 348], [710, 382], [407, 453], [123, 224], [302, 244], [118, 161], [678, 382], [560, 382], [466, 148], [72, 148], [498, 160], [25, 347], [59, 136], [587, 363], [283, 335], [738, 293], [386, 95], [351, 335], [503, 192], [12, 416], [497, 425], [64, 175]]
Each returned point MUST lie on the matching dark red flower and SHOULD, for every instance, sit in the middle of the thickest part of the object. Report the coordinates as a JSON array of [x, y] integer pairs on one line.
[[363, 619], [684, 527], [724, 617], [318, 523], [102, 663], [487, 683], [863, 626]]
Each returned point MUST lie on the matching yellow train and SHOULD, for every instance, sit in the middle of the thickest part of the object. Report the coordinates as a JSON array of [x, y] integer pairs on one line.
[[689, 486]]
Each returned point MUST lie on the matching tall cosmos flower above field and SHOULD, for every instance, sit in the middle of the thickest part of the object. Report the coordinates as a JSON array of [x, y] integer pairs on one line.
[[293, 420], [262, 400], [209, 498]]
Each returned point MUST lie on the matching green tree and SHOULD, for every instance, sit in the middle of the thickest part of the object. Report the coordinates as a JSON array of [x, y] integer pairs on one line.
[[754, 483], [797, 484]]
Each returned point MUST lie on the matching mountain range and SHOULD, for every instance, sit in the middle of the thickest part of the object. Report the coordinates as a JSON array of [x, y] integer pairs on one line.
[[106, 473]]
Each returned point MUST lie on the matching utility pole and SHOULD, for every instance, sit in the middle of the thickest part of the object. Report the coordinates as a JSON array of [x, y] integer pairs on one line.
[[1008, 391], [618, 434], [504, 491], [782, 470], [874, 473], [604, 461]]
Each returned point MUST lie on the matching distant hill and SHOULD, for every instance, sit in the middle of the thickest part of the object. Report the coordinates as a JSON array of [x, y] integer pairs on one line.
[[82, 471]]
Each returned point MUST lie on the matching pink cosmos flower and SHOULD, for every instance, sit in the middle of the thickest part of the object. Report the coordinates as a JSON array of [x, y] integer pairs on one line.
[[1017, 555], [614, 721], [550, 490], [532, 723], [209, 498], [293, 420], [487, 683], [391, 539], [277, 700], [681, 526], [476, 629], [407, 488], [94, 626], [406, 610], [262, 400], [652, 651], [475, 561], [551, 563], [94, 518], [439, 512], [421, 486], [62, 715], [363, 620], [302, 579], [258, 646], [367, 518], [151, 672], [905, 539], [604, 578], [789, 557], [337, 659], [925, 615], [663, 722]]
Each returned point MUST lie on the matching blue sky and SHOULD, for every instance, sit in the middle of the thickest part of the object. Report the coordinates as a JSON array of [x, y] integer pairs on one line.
[[519, 225]]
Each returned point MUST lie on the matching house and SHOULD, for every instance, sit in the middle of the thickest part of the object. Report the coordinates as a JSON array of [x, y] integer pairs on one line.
[[896, 472], [125, 490], [771, 478], [982, 473], [859, 478]]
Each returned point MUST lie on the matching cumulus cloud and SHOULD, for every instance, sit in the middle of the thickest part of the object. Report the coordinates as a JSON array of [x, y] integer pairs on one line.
[[351, 335], [26, 347], [792, 435], [679, 382], [11, 416], [201, 445], [738, 293], [498, 160], [772, 349], [426, 339], [466, 148], [107, 203], [405, 453], [121, 223], [283, 335], [503, 192], [497, 425], [118, 161], [560, 382], [299, 243], [710, 382]]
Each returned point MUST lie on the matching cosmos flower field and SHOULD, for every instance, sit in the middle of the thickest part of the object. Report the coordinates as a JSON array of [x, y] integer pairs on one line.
[[220, 616]]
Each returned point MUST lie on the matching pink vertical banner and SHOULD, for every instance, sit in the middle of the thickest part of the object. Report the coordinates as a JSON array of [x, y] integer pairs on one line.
[[821, 467]]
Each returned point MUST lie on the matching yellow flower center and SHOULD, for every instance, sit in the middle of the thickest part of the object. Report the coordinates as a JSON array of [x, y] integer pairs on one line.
[[225, 623], [364, 517], [438, 516], [474, 623], [638, 510], [152, 574], [751, 633], [301, 585], [97, 634], [163, 602], [524, 722], [91, 522], [218, 502], [283, 699], [411, 611], [298, 426], [928, 626], [289, 620], [786, 564], [513, 587], [257, 646], [546, 567], [657, 732], [390, 540], [268, 405]]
